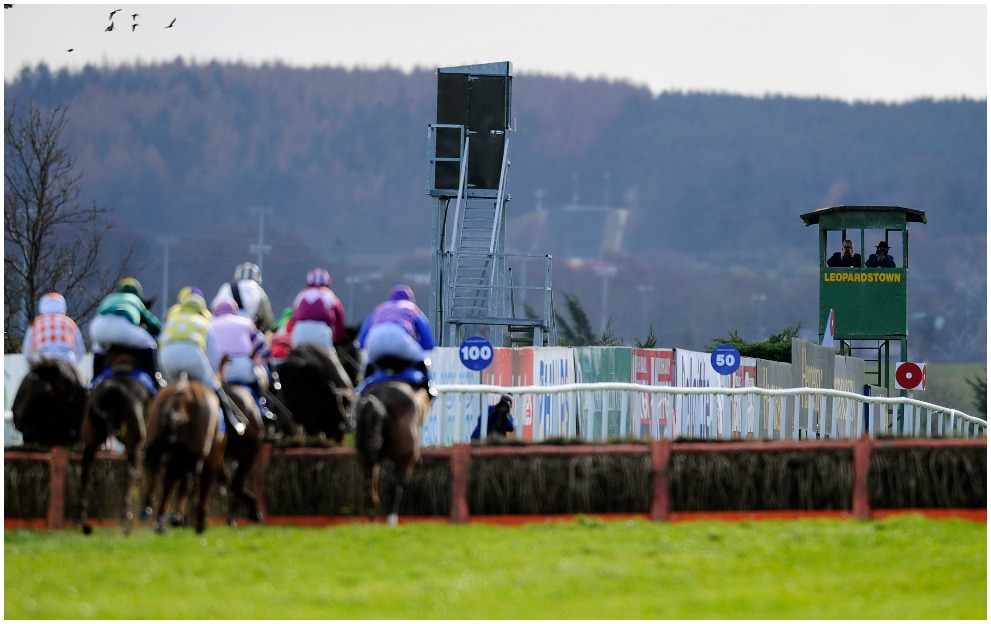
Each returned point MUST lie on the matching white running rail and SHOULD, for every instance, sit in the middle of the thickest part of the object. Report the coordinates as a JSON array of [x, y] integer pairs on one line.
[[606, 410]]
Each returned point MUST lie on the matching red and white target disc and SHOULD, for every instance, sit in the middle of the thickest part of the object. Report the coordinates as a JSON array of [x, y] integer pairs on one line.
[[910, 376]]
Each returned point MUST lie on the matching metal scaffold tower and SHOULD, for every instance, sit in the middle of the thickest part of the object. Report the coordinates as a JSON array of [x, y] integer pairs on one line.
[[471, 289]]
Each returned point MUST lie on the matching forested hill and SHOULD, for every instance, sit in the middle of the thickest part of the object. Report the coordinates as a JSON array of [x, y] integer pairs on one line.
[[714, 182]]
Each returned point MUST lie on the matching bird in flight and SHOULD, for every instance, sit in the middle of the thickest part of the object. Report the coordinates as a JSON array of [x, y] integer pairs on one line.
[[70, 49], [112, 14], [109, 28], [134, 16], [133, 26], [171, 23]]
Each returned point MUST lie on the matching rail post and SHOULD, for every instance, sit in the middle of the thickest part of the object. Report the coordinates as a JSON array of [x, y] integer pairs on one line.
[[861, 503], [660, 459], [258, 477], [459, 483], [57, 467]]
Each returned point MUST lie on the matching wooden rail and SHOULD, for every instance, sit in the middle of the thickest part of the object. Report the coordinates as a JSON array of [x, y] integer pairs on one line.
[[460, 456]]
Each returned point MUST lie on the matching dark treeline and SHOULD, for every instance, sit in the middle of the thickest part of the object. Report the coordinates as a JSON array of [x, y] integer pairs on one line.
[[183, 155]]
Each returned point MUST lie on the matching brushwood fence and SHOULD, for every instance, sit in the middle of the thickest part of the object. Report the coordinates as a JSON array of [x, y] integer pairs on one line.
[[661, 480]]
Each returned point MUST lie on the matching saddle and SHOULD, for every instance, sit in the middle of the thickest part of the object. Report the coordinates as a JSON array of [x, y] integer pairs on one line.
[[140, 375], [393, 369]]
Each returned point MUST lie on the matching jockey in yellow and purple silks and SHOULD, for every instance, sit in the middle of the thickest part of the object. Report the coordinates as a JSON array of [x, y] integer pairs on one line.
[[399, 331], [188, 345]]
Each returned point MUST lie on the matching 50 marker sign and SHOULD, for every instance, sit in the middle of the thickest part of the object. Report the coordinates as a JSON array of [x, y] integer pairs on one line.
[[725, 359], [476, 352]]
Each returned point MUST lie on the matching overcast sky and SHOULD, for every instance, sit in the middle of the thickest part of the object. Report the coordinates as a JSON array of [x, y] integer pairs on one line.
[[890, 53]]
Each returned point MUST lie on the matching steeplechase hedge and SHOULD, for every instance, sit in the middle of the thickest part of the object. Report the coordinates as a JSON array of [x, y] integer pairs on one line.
[[558, 477]]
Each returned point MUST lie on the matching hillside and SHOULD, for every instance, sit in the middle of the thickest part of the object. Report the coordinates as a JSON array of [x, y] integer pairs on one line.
[[715, 184]]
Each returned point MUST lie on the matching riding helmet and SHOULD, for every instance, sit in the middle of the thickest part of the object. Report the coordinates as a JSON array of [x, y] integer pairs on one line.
[[318, 277], [131, 285], [248, 271], [52, 303], [401, 292], [225, 305]]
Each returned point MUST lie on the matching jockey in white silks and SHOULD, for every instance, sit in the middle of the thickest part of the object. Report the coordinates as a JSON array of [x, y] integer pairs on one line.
[[252, 300]]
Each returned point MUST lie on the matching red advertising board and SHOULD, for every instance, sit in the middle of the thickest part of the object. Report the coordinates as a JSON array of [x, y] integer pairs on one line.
[[653, 367]]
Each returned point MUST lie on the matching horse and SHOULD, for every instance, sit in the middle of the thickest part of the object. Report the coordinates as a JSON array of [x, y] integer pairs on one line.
[[116, 406], [49, 403], [389, 417], [318, 388], [242, 450], [183, 428]]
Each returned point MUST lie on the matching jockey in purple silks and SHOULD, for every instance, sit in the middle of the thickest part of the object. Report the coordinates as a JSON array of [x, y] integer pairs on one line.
[[398, 334], [249, 356]]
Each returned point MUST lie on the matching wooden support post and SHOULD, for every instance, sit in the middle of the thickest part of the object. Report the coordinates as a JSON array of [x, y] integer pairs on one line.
[[660, 459], [459, 483], [58, 466], [258, 477], [861, 503]]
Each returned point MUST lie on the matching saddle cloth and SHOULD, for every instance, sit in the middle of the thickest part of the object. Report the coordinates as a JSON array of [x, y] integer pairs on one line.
[[409, 375], [139, 374]]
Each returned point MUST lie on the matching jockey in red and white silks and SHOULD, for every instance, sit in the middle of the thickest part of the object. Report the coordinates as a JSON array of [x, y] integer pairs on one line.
[[53, 334], [318, 315], [238, 338]]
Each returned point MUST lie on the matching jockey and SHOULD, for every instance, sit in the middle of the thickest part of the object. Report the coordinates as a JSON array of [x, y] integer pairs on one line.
[[54, 335], [252, 300], [248, 354], [122, 319], [281, 342], [189, 344], [318, 319], [398, 330], [318, 315], [185, 292]]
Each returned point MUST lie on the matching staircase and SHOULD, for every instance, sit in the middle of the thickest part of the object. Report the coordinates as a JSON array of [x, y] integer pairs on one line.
[[474, 270]]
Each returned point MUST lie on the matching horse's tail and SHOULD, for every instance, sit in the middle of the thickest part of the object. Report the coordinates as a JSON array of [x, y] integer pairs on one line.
[[370, 415]]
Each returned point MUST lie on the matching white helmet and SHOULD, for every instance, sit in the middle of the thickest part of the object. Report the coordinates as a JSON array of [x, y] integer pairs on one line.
[[52, 303], [248, 271]]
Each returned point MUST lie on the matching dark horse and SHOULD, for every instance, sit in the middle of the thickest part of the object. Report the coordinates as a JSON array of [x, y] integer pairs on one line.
[[116, 406], [183, 424], [318, 388], [389, 418], [242, 450], [49, 404]]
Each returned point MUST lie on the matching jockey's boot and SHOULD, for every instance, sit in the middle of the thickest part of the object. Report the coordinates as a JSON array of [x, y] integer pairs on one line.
[[427, 385], [148, 363], [99, 363], [228, 411]]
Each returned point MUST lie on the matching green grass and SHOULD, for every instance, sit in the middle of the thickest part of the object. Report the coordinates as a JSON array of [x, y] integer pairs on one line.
[[904, 567]]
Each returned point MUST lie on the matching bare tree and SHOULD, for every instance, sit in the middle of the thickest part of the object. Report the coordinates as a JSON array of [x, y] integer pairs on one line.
[[51, 242]]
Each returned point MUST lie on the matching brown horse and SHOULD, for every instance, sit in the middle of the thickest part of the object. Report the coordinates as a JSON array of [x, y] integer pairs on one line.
[[317, 388], [389, 418], [49, 403], [116, 406], [184, 429]]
